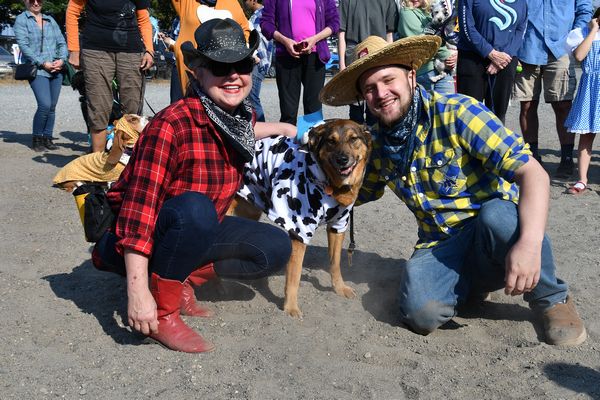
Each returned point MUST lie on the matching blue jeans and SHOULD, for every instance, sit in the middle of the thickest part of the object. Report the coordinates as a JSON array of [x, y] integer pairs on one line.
[[437, 280], [46, 91], [257, 78], [444, 85], [188, 235]]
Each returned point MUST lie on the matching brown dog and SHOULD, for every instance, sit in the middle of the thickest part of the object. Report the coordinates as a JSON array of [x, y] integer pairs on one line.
[[300, 189], [103, 166]]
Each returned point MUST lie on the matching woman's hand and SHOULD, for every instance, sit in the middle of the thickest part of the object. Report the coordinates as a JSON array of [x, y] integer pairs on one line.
[[493, 69], [147, 61], [141, 310], [500, 58], [311, 42], [290, 46], [74, 59], [57, 66]]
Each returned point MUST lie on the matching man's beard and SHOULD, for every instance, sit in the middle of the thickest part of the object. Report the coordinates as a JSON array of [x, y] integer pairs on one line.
[[390, 119]]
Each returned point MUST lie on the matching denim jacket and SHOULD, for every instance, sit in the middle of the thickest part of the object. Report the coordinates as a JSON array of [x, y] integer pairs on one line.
[[29, 39], [277, 17], [548, 24]]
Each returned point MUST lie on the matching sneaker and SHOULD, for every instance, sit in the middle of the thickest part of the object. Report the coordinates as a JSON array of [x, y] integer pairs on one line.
[[49, 144], [565, 168], [562, 325]]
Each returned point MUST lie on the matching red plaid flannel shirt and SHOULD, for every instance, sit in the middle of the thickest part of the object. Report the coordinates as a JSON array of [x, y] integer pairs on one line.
[[179, 151]]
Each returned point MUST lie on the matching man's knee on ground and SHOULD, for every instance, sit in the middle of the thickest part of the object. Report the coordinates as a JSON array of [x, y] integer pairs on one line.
[[427, 318]]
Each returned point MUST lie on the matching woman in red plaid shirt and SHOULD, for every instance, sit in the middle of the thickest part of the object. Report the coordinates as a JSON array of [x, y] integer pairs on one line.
[[172, 197]]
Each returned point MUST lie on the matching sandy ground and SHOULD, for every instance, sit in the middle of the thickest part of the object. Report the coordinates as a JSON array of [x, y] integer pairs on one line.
[[62, 331]]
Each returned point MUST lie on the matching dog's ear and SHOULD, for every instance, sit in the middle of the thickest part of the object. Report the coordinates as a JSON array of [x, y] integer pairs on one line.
[[315, 136]]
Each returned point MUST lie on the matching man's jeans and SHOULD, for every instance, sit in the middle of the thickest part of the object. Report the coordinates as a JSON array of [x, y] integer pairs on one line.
[[437, 280], [188, 235]]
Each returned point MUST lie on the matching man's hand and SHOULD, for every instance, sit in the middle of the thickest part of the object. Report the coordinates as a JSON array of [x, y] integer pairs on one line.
[[74, 59], [500, 58], [141, 310], [147, 61], [523, 265]]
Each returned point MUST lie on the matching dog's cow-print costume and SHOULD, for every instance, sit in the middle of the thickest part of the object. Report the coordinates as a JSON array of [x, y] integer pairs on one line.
[[286, 182]]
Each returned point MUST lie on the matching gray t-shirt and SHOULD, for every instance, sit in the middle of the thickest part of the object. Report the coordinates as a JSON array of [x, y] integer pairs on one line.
[[363, 18]]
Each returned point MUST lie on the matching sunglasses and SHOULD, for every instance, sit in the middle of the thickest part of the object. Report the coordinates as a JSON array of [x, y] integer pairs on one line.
[[220, 69]]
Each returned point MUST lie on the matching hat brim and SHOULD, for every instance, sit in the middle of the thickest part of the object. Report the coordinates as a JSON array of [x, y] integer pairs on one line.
[[411, 52], [228, 56]]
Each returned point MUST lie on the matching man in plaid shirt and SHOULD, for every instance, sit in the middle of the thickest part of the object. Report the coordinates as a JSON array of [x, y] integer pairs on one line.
[[480, 199]]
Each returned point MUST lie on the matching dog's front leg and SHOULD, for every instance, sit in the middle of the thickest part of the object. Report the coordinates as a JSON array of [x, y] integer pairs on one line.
[[335, 242], [292, 279]]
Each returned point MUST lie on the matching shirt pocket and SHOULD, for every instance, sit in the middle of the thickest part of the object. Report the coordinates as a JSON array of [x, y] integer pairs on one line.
[[441, 174]]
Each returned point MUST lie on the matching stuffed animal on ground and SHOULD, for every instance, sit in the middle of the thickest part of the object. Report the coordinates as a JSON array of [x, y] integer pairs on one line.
[[103, 166], [444, 20]]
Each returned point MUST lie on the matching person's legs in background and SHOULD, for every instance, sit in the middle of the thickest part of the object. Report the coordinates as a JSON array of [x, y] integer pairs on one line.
[[313, 79], [502, 88], [43, 96], [527, 89], [131, 82], [288, 74], [99, 68], [254, 97], [55, 87], [472, 79], [559, 89]]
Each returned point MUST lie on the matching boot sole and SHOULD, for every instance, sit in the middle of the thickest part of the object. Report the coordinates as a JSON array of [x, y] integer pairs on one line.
[[149, 340], [572, 342]]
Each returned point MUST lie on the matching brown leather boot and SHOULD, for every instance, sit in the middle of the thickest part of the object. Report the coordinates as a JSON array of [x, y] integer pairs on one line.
[[562, 325], [188, 305], [172, 331]]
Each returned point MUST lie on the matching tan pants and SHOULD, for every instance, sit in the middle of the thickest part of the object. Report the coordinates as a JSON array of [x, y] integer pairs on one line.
[[99, 68], [558, 78]]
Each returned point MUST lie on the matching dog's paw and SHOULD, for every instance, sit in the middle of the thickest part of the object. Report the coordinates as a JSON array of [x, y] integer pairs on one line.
[[345, 291], [293, 311]]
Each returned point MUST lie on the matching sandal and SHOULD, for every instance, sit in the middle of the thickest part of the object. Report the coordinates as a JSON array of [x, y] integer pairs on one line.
[[577, 188]]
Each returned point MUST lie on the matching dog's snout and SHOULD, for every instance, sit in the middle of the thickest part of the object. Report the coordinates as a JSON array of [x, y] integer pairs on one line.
[[341, 159]]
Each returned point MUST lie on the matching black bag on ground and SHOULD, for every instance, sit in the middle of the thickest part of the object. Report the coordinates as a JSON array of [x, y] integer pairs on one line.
[[25, 72], [97, 214]]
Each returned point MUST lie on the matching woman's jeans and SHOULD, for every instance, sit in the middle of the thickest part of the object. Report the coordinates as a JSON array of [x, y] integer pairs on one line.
[[46, 91], [188, 236], [470, 263], [444, 85], [254, 97]]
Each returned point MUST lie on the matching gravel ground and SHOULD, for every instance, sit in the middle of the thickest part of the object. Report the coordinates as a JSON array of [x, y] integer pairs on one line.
[[63, 333]]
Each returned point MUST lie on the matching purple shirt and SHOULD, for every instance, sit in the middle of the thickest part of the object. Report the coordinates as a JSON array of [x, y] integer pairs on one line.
[[277, 17]]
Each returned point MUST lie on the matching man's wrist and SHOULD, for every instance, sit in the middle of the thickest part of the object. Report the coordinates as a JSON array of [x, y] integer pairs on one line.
[[149, 52]]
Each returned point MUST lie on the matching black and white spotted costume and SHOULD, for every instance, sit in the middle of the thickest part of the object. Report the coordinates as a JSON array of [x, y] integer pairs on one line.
[[286, 182]]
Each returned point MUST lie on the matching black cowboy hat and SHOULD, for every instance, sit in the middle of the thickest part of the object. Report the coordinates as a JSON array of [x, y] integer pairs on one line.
[[220, 40]]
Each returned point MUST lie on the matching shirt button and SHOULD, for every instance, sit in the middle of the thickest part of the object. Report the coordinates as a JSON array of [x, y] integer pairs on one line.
[[439, 162], [403, 178], [413, 169], [420, 194], [387, 178], [433, 212]]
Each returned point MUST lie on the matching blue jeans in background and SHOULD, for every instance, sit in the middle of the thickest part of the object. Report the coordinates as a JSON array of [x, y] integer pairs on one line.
[[46, 91], [436, 280], [257, 79], [444, 85], [188, 236]]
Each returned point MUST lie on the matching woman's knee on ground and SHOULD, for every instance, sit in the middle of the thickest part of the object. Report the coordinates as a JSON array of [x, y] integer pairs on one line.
[[278, 250]]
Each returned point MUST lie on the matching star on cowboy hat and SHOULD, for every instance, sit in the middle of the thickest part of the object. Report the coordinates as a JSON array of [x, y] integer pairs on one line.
[[372, 52]]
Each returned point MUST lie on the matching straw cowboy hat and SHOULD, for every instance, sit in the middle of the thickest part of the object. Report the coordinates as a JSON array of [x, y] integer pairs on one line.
[[410, 52], [220, 40]]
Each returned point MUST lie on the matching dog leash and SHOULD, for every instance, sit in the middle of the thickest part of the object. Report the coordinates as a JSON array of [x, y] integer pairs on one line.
[[352, 244]]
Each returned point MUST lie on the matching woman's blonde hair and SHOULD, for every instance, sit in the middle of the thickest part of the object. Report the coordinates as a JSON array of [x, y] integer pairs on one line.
[[425, 5]]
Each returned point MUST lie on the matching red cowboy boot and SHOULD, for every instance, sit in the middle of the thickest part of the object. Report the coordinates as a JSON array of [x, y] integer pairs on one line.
[[172, 331], [189, 306]]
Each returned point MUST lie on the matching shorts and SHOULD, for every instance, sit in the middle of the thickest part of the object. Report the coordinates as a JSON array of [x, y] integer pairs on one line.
[[558, 78], [99, 68]]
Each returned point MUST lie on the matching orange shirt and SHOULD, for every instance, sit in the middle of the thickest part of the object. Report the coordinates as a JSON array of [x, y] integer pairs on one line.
[[186, 9]]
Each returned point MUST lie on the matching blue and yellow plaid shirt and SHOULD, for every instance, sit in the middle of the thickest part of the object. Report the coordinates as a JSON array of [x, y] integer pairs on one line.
[[463, 156]]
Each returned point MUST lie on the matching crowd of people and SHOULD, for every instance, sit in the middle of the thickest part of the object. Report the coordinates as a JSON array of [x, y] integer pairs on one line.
[[478, 190]]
